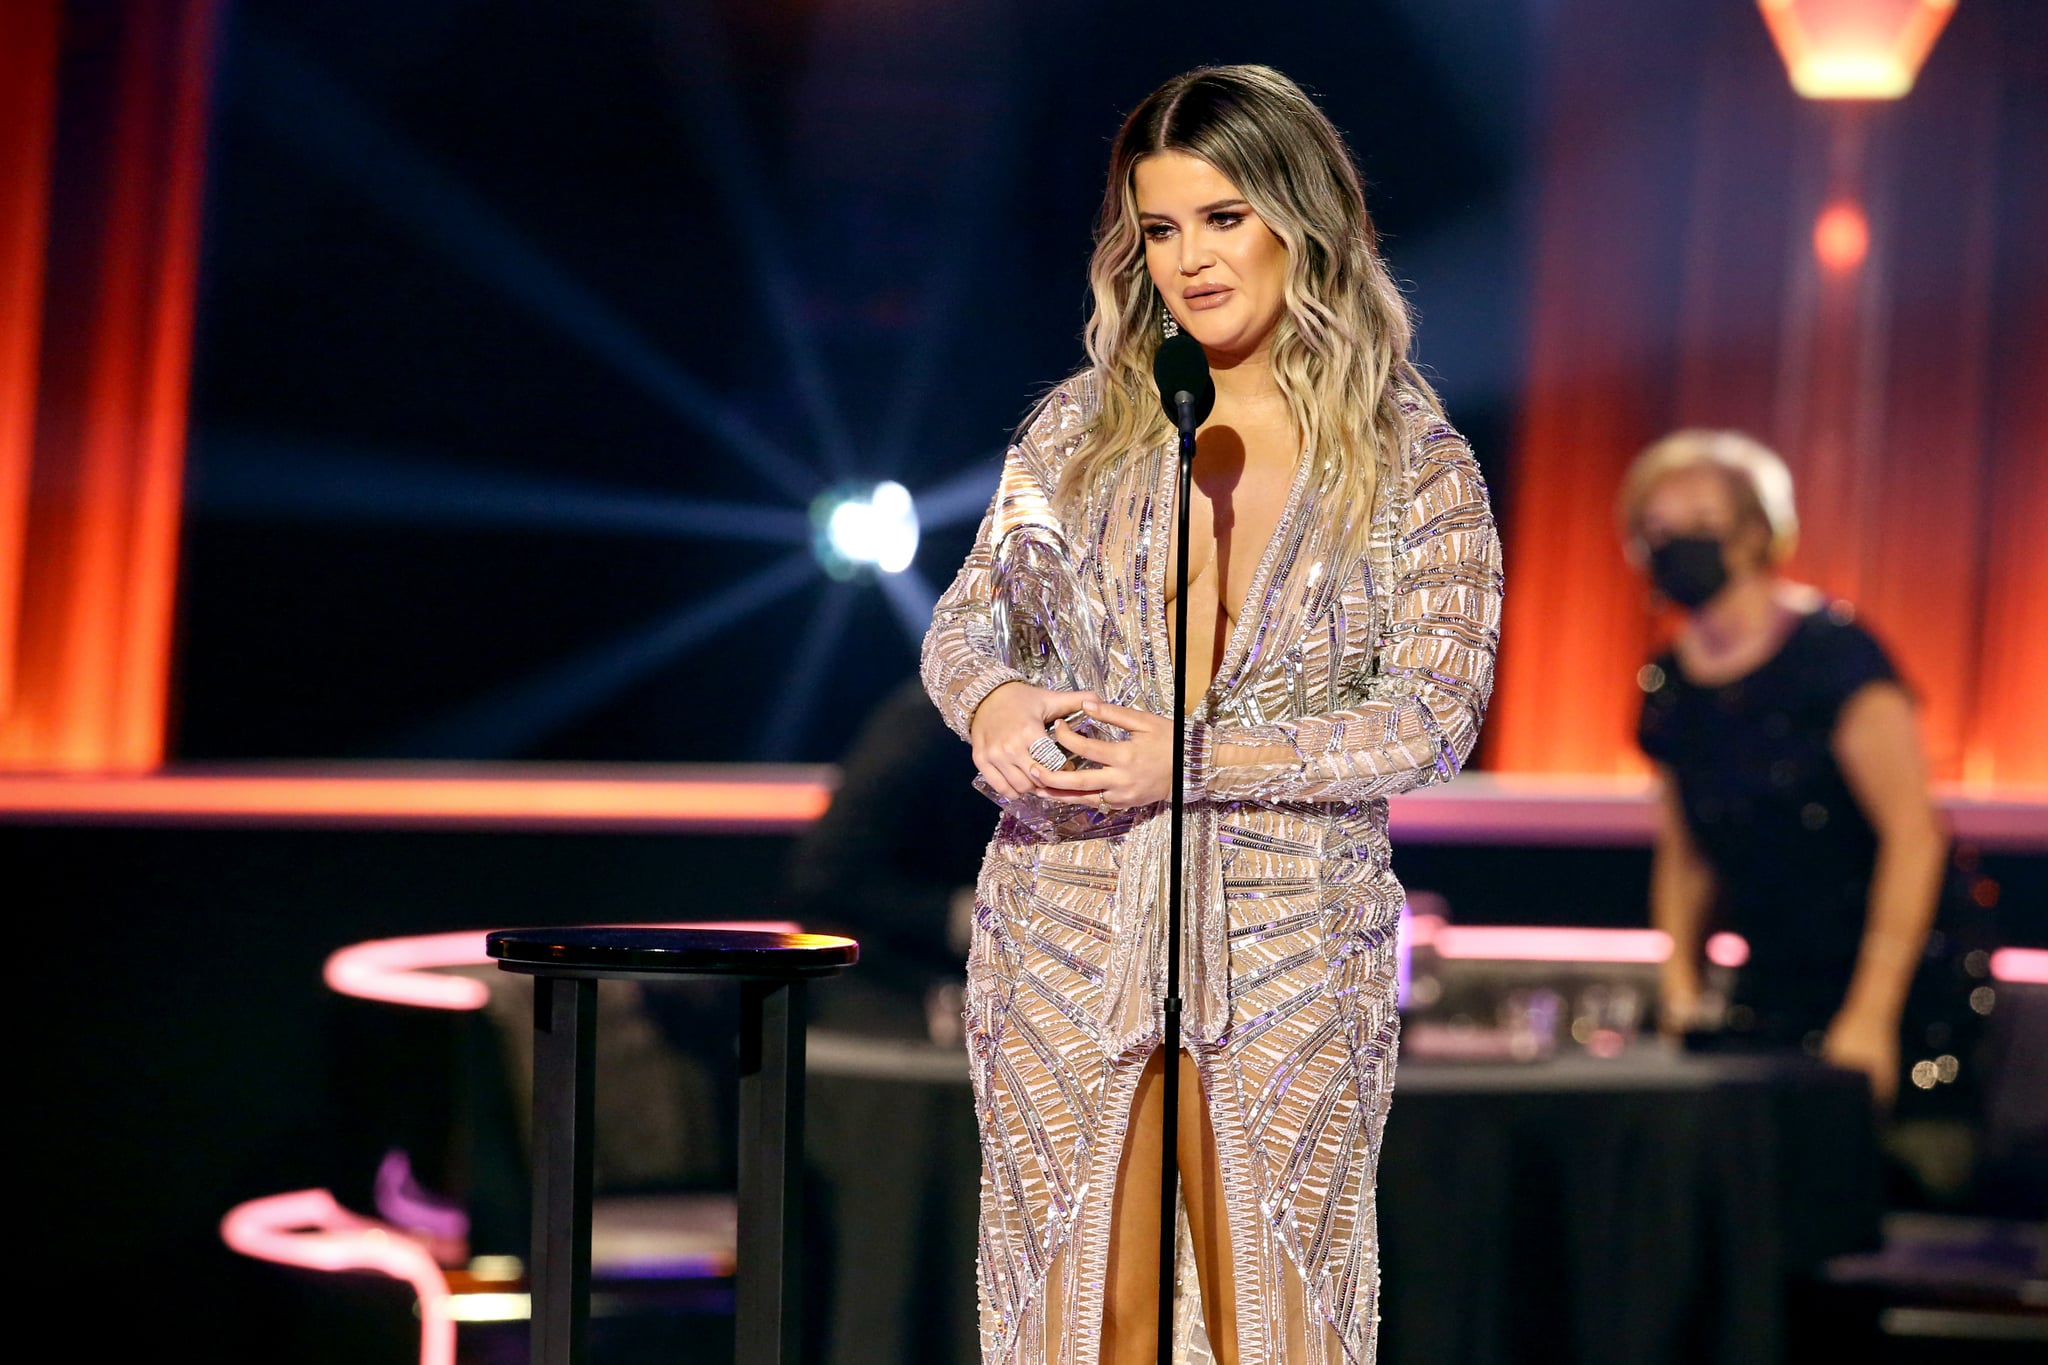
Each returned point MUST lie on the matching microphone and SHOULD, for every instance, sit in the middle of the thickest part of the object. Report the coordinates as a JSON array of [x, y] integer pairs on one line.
[[1186, 391]]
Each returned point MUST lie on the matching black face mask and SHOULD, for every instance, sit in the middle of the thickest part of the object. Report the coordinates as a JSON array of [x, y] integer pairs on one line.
[[1689, 570]]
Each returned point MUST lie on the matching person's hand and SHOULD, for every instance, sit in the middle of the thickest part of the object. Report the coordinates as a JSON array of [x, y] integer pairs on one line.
[[1678, 1003], [1867, 1043], [1129, 772], [1005, 726]]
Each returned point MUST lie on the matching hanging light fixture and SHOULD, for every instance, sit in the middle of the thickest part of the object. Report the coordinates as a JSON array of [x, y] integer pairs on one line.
[[1854, 49]]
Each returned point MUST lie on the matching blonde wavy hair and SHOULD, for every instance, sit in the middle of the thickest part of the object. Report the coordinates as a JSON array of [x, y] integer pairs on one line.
[[1339, 351], [1757, 478]]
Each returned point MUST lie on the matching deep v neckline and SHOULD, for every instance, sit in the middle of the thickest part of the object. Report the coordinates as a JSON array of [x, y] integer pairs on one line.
[[1242, 623]]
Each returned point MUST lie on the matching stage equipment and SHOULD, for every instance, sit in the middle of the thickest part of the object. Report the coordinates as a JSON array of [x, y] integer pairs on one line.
[[1855, 49], [876, 529], [1188, 393]]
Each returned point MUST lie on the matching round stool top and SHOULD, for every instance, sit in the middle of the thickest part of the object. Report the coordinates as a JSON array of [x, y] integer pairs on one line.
[[760, 954]]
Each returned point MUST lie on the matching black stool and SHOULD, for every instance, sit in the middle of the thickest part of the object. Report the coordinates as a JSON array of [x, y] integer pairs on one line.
[[771, 968]]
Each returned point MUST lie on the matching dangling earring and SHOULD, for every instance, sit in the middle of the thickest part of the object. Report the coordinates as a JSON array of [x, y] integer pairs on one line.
[[1168, 328]]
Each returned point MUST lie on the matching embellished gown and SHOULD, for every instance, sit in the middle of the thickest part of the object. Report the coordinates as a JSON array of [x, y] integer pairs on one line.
[[1374, 666]]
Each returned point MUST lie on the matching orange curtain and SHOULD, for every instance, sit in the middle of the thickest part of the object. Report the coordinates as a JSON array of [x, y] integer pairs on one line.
[[1677, 284], [28, 122], [102, 307]]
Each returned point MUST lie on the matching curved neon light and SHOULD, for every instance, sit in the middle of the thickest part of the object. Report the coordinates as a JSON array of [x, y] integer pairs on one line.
[[402, 971], [402, 1202], [308, 1228]]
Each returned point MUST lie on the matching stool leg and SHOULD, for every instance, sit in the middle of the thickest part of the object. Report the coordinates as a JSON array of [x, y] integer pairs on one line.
[[771, 1171], [564, 1070]]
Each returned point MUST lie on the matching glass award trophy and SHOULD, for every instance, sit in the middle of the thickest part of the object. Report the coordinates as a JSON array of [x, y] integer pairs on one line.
[[1045, 628]]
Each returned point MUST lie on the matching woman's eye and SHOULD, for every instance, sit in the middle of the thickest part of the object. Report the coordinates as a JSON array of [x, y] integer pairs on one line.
[[1225, 221], [1157, 232]]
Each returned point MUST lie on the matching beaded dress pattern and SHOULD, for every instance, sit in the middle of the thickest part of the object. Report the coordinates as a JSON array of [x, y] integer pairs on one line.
[[1373, 665]]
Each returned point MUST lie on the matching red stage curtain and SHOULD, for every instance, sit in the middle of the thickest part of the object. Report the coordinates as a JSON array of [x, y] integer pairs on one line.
[[28, 122], [95, 352], [1676, 284]]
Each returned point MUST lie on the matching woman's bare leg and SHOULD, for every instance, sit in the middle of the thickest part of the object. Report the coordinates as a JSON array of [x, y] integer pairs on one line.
[[1130, 1302], [1201, 1184], [1130, 1309]]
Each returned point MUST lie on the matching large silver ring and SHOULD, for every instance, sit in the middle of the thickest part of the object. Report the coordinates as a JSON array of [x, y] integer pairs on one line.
[[1048, 753]]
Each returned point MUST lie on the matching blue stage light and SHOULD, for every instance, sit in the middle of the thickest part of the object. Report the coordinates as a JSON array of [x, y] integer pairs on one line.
[[876, 529]]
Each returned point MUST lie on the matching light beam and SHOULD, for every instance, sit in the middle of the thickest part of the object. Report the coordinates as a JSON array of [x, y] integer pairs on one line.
[[306, 109], [515, 718], [275, 479]]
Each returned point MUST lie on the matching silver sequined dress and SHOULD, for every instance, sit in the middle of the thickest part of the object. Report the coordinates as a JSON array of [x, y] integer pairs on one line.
[[1374, 668]]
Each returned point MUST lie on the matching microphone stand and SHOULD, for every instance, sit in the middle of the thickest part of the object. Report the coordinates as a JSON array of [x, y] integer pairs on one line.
[[1169, 1164]]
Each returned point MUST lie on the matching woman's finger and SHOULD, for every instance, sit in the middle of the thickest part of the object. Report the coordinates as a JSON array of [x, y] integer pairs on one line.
[[1072, 780], [1103, 751], [1090, 797], [1055, 704], [1007, 768], [1020, 779], [1122, 716]]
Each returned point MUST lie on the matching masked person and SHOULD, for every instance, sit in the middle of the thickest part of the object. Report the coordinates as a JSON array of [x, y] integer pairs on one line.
[[1795, 807]]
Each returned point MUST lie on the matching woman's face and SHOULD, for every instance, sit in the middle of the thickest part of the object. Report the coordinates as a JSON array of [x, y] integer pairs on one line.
[[1221, 270], [1698, 503]]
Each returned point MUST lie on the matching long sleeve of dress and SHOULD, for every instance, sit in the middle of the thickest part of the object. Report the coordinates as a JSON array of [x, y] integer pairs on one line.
[[962, 662], [1427, 695]]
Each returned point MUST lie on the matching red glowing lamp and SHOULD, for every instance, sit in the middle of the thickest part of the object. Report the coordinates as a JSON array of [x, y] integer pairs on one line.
[[1854, 49], [1841, 236]]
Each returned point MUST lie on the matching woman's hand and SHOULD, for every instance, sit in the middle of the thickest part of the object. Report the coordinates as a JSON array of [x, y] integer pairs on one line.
[[1130, 772], [1005, 726], [1678, 1000], [1866, 1042]]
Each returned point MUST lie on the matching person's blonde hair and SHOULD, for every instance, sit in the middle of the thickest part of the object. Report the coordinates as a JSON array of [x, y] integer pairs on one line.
[[1339, 351], [1758, 479]]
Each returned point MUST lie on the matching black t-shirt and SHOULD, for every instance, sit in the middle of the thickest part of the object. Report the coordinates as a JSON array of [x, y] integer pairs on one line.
[[1769, 809]]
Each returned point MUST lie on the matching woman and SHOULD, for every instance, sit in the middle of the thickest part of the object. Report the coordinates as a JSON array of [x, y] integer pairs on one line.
[[1795, 799], [1344, 597]]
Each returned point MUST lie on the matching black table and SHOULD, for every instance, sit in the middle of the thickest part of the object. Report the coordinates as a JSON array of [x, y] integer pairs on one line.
[[1644, 1209], [1648, 1208], [772, 969]]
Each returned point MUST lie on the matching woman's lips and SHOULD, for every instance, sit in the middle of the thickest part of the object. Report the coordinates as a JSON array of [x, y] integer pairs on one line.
[[1215, 298]]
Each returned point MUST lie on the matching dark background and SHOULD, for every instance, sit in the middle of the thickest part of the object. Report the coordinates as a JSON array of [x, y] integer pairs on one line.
[[485, 282]]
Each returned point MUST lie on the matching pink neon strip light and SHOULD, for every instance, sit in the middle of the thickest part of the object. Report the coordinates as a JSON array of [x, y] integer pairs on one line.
[[767, 798], [307, 1228], [1515, 943], [1503, 943], [402, 970], [2020, 966]]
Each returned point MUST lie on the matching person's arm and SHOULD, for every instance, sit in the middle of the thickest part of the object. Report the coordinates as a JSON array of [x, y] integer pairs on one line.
[[1878, 747], [983, 699], [961, 662], [1681, 889], [1422, 708]]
